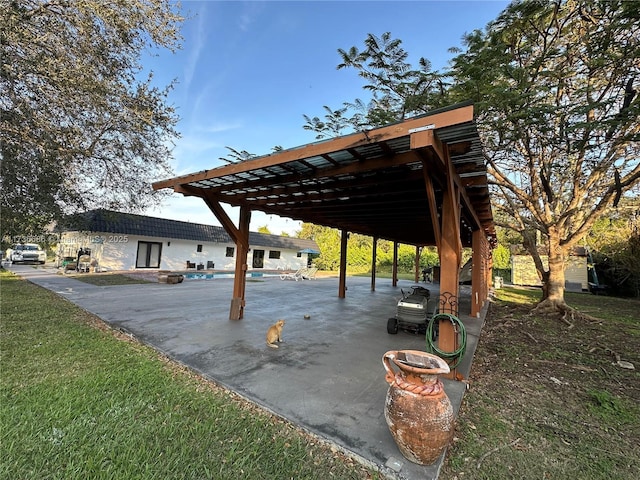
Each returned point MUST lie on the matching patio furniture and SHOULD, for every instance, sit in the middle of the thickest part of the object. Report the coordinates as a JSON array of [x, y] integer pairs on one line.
[[298, 275], [310, 273]]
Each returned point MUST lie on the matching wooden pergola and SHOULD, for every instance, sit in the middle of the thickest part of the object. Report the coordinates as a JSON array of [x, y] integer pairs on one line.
[[420, 182]]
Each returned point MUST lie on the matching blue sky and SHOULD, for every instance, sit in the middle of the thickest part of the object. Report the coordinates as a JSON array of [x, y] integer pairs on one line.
[[248, 71]]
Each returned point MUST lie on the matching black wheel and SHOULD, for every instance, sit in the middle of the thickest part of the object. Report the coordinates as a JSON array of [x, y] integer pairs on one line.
[[434, 327], [435, 332], [392, 326]]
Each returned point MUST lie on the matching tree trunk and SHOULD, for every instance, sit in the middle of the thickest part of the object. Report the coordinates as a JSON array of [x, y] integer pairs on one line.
[[553, 279]]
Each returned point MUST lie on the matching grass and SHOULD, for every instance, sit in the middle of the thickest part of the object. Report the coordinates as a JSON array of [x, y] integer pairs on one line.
[[385, 273], [78, 401], [547, 400]]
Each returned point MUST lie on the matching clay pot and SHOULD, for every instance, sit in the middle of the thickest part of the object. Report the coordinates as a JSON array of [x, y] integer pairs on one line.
[[417, 409]]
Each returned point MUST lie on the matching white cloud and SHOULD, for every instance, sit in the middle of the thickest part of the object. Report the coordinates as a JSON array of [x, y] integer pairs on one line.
[[221, 127], [192, 151], [196, 47], [202, 146]]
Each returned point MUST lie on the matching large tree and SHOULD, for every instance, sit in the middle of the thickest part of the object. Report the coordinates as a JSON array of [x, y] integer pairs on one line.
[[81, 124], [555, 85]]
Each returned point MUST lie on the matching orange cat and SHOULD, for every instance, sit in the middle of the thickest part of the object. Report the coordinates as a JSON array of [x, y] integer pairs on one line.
[[274, 333]]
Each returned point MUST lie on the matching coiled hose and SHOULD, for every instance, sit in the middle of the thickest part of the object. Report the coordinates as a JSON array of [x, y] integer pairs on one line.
[[462, 339]]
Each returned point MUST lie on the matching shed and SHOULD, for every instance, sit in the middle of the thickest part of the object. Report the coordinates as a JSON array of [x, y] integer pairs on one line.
[[523, 270]]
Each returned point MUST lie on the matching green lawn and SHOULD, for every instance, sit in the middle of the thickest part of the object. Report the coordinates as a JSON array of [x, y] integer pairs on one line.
[[80, 401], [547, 399]]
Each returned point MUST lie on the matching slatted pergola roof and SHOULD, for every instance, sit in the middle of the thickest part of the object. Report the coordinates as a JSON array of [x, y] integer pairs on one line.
[[387, 183]]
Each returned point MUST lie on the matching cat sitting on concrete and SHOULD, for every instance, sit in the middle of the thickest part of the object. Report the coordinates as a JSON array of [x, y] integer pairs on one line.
[[274, 334]]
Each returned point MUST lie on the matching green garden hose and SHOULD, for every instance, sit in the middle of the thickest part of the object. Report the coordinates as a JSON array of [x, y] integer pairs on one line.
[[462, 339]]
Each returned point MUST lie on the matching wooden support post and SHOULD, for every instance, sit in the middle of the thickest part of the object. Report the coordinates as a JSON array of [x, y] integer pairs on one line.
[[240, 236], [240, 278], [489, 272], [449, 268], [416, 275], [487, 260], [342, 285], [374, 255], [394, 268], [477, 270]]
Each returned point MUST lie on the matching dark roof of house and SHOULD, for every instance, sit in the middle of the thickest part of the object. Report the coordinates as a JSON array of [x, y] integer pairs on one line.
[[108, 221]]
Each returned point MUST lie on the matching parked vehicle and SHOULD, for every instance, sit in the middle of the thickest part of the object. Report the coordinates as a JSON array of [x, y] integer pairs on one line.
[[26, 253], [414, 311], [465, 273]]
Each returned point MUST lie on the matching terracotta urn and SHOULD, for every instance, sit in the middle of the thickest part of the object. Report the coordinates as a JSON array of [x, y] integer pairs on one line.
[[417, 409]]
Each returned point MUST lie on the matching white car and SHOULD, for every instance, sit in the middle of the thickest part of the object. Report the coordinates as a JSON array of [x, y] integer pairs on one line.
[[26, 252]]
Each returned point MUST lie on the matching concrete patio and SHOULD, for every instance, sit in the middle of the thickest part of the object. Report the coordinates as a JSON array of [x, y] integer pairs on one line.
[[327, 376]]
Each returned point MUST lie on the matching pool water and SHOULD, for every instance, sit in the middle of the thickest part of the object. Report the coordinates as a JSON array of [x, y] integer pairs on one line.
[[211, 276]]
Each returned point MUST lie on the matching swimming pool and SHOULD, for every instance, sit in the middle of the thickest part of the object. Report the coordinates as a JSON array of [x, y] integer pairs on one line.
[[212, 276]]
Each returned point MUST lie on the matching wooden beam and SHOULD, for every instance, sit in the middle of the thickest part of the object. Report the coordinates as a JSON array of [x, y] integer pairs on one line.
[[370, 165], [429, 140], [331, 189], [226, 222], [454, 202], [433, 205], [477, 180]]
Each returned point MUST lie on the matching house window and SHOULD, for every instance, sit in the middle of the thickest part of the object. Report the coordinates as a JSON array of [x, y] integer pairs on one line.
[[230, 251], [258, 259], [275, 254], [148, 255], [199, 248]]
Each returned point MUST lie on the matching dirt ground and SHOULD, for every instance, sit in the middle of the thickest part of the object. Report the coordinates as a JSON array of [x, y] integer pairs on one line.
[[551, 398]]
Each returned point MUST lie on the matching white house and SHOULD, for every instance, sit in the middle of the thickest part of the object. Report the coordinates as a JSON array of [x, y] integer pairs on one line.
[[124, 241]]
